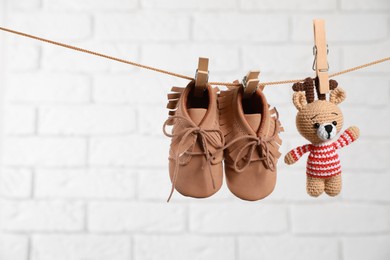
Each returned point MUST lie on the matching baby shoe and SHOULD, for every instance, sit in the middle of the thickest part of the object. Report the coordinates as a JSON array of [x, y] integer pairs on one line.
[[252, 145], [196, 151]]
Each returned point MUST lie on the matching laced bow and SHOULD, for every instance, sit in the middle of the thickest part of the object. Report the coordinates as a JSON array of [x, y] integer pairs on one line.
[[206, 139], [254, 143]]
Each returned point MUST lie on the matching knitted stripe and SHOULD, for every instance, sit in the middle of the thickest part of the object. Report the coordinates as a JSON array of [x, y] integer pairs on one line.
[[345, 139], [300, 151], [318, 156], [324, 168], [327, 175], [330, 163], [323, 161], [320, 162]]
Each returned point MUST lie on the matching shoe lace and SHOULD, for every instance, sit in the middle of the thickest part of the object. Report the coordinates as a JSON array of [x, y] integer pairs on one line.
[[261, 144], [206, 139]]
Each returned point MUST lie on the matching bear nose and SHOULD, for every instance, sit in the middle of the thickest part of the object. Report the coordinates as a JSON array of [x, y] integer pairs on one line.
[[328, 128]]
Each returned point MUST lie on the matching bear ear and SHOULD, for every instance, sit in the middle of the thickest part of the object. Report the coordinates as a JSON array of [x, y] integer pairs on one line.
[[337, 96], [299, 100]]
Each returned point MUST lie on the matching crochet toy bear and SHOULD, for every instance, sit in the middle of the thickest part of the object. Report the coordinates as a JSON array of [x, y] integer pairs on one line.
[[319, 122]]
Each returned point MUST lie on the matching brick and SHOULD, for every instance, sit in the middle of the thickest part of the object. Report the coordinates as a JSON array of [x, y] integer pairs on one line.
[[184, 57], [40, 87], [287, 247], [156, 185], [287, 115], [237, 218], [87, 184], [283, 62], [16, 53], [377, 5], [19, 120], [277, 96], [189, 4], [369, 120], [358, 94], [135, 217], [342, 28], [143, 26], [80, 247], [150, 119], [89, 5], [44, 151], [296, 6], [372, 247], [15, 183], [41, 216], [142, 88], [365, 155], [366, 187], [20, 5], [59, 26], [361, 54], [134, 150], [59, 59], [340, 218], [13, 247], [88, 120], [187, 247], [223, 27]]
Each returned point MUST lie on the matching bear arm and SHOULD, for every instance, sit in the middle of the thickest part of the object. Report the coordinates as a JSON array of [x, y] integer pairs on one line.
[[346, 138], [295, 154]]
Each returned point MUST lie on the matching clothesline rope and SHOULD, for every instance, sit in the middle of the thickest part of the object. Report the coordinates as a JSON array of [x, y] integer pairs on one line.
[[177, 74]]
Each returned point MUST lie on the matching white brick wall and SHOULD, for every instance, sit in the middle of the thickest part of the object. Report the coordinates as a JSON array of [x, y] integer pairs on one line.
[[84, 162], [41, 216], [79, 247], [135, 217], [70, 183], [14, 247], [287, 247], [192, 247]]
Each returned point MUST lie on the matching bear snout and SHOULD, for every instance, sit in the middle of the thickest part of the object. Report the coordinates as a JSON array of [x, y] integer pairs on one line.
[[326, 131], [329, 128]]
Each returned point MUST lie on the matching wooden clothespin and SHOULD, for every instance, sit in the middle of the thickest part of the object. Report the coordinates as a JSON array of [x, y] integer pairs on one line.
[[320, 51], [201, 76], [250, 83]]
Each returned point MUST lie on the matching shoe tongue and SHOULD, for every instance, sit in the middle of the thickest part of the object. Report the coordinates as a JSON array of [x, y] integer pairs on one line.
[[253, 120], [197, 114]]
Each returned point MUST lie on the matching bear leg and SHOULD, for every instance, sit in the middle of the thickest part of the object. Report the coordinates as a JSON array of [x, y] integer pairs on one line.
[[315, 186], [333, 185]]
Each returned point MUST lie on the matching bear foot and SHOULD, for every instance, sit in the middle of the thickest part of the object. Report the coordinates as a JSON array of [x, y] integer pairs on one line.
[[315, 186]]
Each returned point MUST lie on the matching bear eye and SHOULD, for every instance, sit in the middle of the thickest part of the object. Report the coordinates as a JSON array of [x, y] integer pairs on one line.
[[334, 123], [316, 125]]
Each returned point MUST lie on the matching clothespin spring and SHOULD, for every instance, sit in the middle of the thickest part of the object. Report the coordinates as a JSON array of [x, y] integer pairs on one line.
[[315, 58]]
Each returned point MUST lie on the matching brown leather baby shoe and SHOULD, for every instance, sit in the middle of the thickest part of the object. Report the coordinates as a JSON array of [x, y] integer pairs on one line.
[[252, 143], [196, 152]]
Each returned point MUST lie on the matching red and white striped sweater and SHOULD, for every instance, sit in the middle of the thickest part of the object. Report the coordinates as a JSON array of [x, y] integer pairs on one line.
[[323, 161]]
